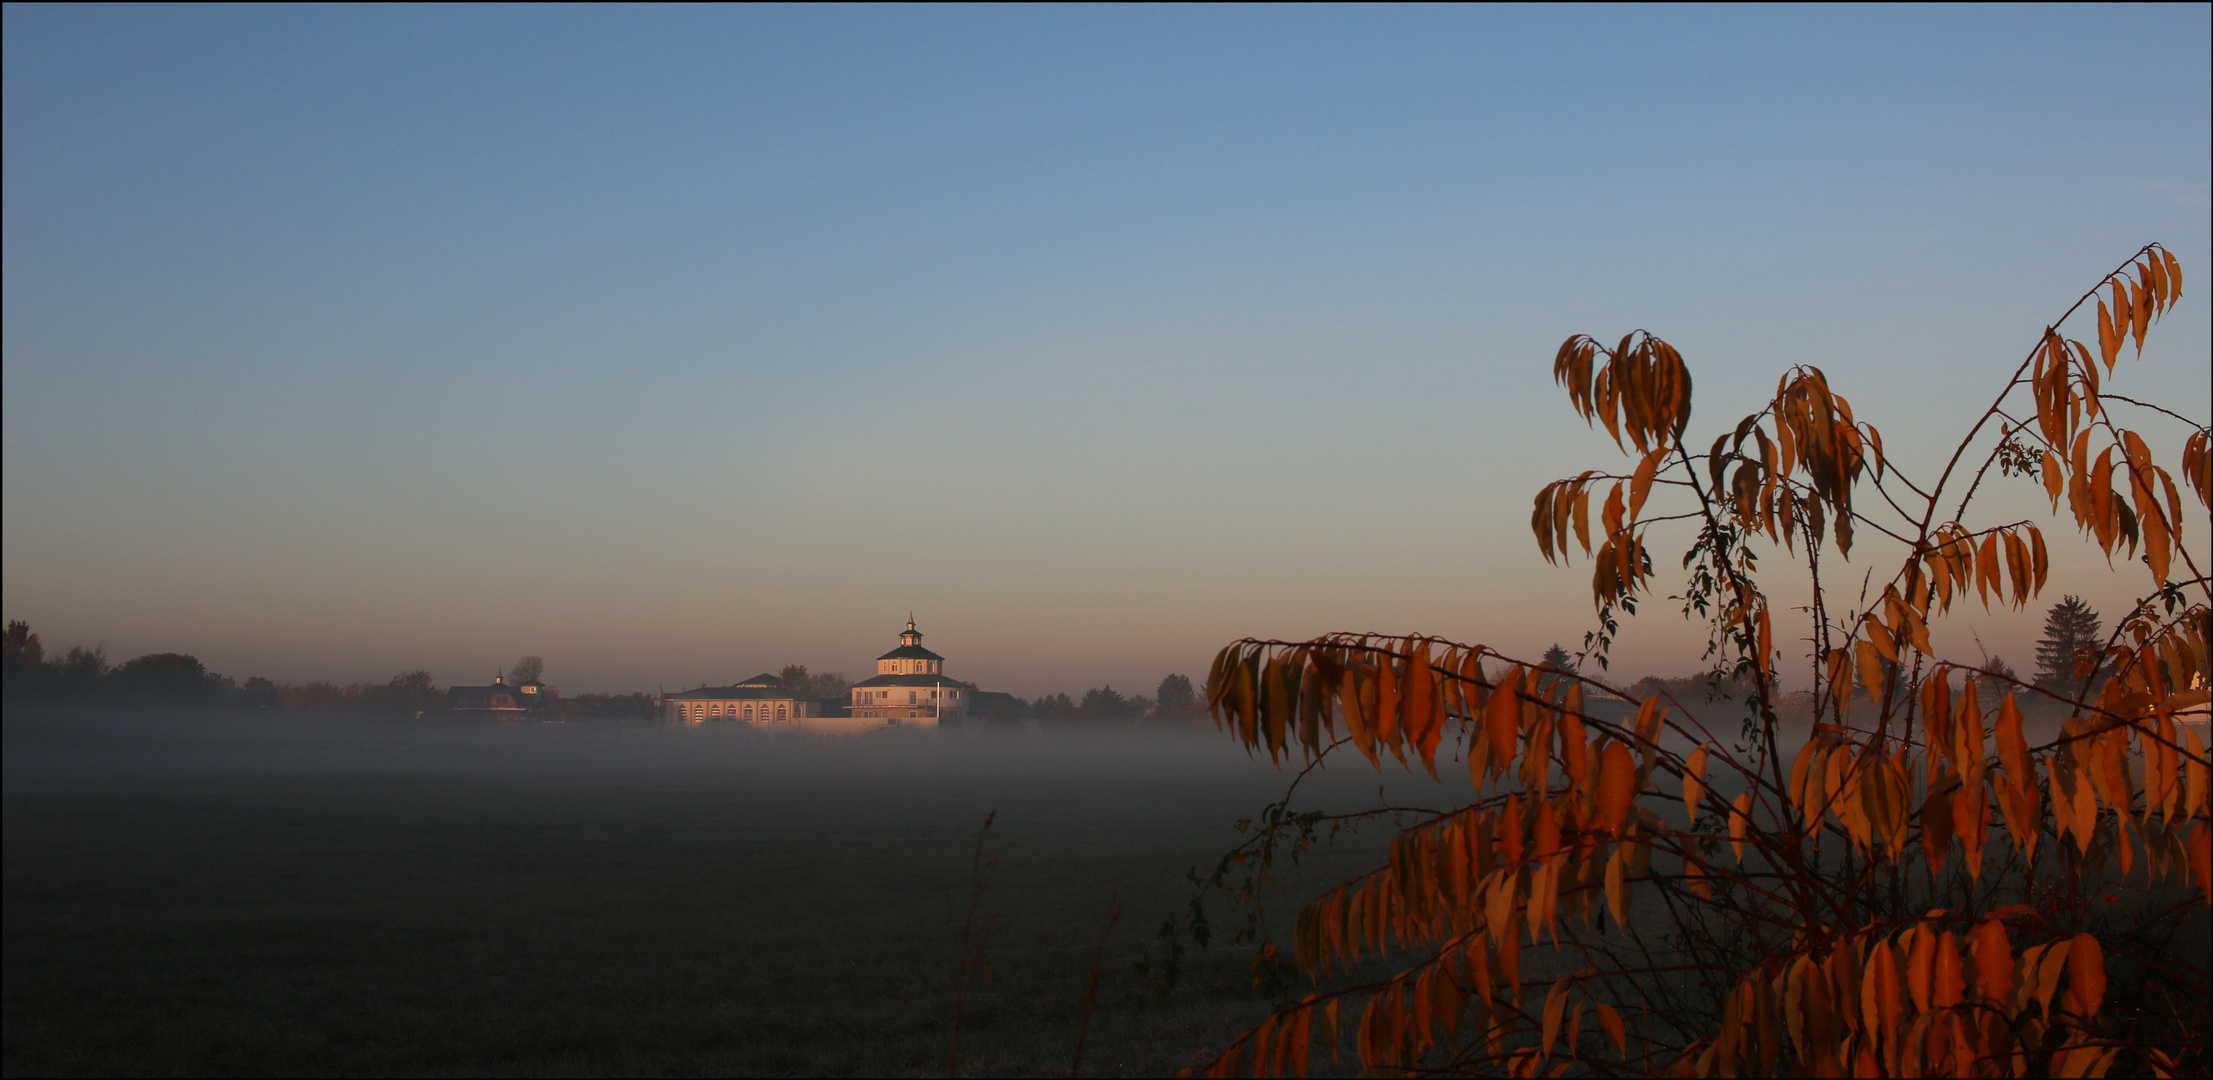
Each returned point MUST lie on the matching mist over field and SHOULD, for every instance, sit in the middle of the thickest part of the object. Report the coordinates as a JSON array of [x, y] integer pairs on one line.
[[70, 743], [200, 892]]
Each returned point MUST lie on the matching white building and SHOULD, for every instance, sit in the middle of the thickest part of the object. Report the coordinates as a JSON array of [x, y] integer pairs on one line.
[[910, 689], [762, 699], [910, 686]]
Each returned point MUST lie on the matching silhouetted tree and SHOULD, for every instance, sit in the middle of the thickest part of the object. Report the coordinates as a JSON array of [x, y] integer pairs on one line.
[[1176, 697], [527, 669], [1104, 703], [258, 693], [408, 692], [168, 678], [21, 645], [2070, 629], [24, 658], [609, 706], [1994, 686], [1556, 659], [828, 684], [1052, 706], [82, 670]]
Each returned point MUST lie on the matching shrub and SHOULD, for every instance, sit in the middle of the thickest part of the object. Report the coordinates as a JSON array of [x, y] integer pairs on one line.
[[1917, 889]]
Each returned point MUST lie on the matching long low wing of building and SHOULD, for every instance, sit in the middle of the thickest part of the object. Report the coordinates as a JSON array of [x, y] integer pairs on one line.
[[760, 699]]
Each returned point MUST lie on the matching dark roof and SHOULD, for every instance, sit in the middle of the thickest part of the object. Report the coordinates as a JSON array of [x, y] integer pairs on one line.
[[480, 697], [915, 680], [728, 693], [762, 679], [910, 652]]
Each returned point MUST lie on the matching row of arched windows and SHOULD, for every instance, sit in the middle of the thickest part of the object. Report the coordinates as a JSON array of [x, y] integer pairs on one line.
[[732, 710]]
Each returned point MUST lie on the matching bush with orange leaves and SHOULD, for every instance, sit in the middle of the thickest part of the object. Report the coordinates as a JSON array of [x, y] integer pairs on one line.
[[1906, 893]]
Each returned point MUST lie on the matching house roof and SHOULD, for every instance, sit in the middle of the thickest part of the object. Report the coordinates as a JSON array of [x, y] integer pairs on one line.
[[731, 693], [910, 652], [762, 679], [455, 695], [914, 680]]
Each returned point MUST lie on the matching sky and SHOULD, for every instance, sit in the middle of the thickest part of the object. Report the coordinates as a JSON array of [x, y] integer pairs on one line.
[[675, 344]]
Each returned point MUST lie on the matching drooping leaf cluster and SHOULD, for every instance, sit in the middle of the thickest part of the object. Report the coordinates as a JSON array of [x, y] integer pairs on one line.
[[1627, 892]]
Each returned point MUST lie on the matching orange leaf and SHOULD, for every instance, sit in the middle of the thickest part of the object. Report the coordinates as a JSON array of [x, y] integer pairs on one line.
[[1509, 833], [2109, 337], [2085, 977], [1971, 819], [2013, 750], [1353, 700], [1694, 781], [1921, 967], [1546, 835], [1386, 706], [1582, 520], [1869, 662], [1936, 822], [1423, 723], [1574, 752], [1767, 649], [1502, 719], [1994, 966], [1617, 780], [1650, 715], [1640, 485], [1740, 821], [1882, 983], [1610, 1022], [1555, 1002], [2143, 311]]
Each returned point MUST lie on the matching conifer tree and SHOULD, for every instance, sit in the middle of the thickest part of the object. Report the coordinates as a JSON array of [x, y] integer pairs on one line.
[[2070, 628]]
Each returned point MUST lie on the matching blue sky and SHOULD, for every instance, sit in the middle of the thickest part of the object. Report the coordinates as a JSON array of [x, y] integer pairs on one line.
[[672, 344]]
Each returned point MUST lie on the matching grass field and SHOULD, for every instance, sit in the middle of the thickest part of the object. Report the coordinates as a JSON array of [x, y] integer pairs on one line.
[[186, 895]]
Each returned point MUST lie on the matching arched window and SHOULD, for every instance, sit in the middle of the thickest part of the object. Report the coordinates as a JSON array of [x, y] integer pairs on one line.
[[780, 712]]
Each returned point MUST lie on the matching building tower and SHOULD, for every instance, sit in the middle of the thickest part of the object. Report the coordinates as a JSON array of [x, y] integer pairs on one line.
[[910, 685]]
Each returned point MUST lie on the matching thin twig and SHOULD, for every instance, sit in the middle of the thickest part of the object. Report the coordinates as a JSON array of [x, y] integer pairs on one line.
[[968, 933], [1091, 990]]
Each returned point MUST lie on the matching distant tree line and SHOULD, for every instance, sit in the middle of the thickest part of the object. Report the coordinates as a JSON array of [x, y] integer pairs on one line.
[[1175, 699], [180, 680]]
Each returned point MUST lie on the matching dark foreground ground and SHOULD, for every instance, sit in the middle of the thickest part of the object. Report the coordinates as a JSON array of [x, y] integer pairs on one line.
[[216, 897]]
